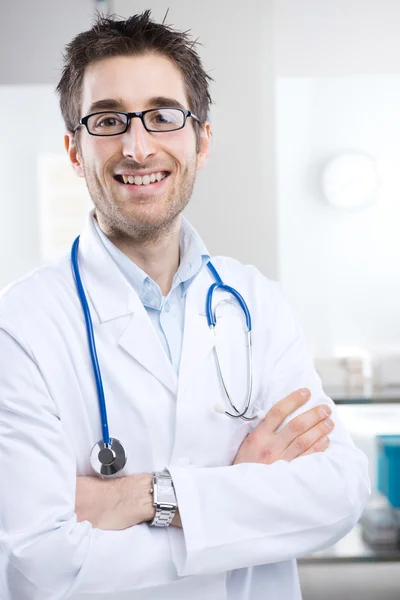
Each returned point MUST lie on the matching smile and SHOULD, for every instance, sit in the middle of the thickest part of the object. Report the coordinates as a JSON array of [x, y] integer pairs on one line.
[[142, 180]]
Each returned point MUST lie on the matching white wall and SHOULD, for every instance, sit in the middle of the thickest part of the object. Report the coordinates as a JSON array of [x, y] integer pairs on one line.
[[24, 139], [334, 93], [33, 34], [234, 204], [339, 267], [336, 37]]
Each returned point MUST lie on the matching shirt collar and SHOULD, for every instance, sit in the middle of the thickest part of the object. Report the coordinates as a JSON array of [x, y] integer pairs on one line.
[[193, 257]]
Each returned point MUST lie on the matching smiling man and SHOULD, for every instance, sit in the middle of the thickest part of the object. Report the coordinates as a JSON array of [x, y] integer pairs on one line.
[[185, 502], [139, 183]]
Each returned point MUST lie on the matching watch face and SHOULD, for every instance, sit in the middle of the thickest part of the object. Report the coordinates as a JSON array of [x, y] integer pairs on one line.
[[165, 492]]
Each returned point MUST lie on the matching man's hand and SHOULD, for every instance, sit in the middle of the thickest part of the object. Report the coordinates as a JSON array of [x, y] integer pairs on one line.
[[115, 503], [305, 434]]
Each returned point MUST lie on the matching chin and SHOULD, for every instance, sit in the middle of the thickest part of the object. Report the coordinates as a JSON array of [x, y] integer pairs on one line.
[[144, 224]]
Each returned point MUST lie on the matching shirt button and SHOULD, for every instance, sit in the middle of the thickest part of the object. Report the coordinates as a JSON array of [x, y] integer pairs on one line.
[[184, 462], [167, 307]]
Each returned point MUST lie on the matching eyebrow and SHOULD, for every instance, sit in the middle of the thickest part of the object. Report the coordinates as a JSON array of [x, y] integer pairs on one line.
[[118, 105]]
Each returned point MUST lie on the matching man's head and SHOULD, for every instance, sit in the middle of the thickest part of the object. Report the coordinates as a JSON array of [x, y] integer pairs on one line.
[[132, 66]]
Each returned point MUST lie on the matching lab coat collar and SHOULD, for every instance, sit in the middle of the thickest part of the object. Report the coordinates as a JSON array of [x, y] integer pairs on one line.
[[113, 297], [107, 288]]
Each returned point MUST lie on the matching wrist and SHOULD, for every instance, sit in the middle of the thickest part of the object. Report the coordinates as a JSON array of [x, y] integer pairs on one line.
[[130, 498], [144, 497]]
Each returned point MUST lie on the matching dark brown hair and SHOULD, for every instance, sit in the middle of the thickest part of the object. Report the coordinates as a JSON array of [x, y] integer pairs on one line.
[[111, 36]]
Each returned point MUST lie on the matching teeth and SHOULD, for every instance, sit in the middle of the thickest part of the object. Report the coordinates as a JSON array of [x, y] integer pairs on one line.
[[145, 180]]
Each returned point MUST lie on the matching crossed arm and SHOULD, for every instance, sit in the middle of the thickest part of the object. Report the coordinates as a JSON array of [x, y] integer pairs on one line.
[[322, 494], [126, 501]]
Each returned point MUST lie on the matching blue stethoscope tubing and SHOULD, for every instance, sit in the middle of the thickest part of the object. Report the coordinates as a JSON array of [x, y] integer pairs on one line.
[[91, 342], [106, 463], [212, 323]]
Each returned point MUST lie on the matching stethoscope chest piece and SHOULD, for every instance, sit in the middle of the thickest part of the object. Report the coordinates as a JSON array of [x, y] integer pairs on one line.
[[108, 459]]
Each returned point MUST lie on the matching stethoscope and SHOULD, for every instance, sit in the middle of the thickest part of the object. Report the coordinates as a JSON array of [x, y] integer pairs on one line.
[[108, 456]]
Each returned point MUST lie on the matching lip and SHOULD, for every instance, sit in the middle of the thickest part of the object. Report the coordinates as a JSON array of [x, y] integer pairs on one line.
[[140, 173]]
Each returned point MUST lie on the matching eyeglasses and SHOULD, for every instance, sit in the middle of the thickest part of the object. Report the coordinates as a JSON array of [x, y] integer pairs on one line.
[[157, 120]]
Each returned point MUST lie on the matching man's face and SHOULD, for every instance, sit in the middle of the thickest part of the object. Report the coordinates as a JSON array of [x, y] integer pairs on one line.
[[137, 83]]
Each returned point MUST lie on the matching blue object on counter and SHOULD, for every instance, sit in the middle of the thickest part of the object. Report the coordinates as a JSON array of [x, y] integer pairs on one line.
[[389, 468]]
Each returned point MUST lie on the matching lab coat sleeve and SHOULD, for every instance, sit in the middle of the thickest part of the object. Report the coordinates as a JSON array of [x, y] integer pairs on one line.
[[44, 553], [251, 514]]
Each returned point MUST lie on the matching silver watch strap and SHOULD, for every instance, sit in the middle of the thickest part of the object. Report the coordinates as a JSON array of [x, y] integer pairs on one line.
[[164, 512], [164, 515]]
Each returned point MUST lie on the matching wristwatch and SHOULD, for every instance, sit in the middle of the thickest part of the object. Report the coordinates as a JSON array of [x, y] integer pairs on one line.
[[164, 499]]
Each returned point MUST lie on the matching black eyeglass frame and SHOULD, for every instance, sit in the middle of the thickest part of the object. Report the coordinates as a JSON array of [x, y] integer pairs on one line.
[[140, 115]]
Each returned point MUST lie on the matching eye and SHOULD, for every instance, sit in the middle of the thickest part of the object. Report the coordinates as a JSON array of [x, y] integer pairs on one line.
[[109, 121], [161, 117], [164, 119]]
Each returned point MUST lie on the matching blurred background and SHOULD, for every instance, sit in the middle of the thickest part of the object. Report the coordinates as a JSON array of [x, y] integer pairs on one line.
[[305, 165]]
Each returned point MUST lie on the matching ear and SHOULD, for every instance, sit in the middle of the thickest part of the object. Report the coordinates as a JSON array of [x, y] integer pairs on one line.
[[205, 142], [73, 153]]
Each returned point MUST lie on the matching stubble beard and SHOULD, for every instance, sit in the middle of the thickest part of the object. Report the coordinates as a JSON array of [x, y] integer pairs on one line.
[[117, 222]]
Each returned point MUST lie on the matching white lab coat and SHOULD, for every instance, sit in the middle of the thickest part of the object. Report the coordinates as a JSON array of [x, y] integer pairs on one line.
[[243, 526]]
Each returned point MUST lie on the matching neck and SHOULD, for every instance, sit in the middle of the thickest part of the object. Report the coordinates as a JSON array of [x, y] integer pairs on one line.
[[158, 258]]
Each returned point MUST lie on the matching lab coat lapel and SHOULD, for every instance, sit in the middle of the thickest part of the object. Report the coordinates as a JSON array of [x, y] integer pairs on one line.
[[141, 341], [112, 298], [198, 340]]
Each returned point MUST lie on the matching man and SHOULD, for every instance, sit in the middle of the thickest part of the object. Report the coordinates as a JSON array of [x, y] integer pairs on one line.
[[247, 496]]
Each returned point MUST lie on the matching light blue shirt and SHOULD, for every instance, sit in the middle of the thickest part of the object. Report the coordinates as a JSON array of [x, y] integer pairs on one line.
[[166, 312]]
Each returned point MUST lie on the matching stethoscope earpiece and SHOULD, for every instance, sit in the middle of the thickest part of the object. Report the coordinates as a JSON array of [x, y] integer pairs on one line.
[[260, 414]]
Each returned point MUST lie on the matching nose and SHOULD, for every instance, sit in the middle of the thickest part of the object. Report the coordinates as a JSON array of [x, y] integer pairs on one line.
[[138, 144]]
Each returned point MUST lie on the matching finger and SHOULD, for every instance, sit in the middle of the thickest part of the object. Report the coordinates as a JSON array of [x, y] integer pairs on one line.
[[282, 409], [303, 423], [320, 446], [304, 442]]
